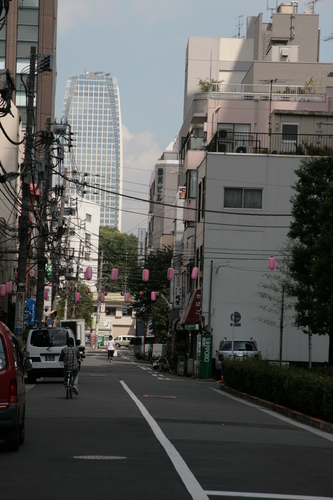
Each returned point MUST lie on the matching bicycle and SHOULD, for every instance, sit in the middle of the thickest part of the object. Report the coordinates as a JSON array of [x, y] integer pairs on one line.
[[163, 364], [69, 384]]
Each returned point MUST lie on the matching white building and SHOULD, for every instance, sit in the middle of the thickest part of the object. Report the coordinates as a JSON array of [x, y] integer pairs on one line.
[[81, 240]]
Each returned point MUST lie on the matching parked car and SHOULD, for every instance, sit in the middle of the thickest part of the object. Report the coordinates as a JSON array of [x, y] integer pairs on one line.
[[43, 348], [237, 349], [12, 390], [123, 340]]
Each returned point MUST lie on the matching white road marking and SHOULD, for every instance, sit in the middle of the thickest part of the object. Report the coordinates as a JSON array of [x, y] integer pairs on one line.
[[275, 496], [189, 480], [99, 457], [313, 430]]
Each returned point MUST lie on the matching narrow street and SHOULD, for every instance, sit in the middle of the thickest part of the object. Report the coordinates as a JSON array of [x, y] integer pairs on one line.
[[136, 433]]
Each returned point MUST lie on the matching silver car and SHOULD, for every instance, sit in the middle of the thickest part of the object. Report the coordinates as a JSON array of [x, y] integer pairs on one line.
[[239, 349]]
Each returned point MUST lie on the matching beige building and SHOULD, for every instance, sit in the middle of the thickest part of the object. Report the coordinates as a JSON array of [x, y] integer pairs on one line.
[[115, 316]]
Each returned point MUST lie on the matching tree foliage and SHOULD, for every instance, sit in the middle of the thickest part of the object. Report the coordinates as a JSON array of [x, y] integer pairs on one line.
[[147, 311], [80, 310], [120, 251], [311, 232]]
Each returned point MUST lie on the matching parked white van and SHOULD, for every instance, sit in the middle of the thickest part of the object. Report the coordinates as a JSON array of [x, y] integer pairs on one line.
[[123, 340], [43, 348]]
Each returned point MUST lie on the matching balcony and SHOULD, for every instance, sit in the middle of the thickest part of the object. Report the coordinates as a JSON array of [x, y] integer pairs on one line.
[[298, 144], [266, 92]]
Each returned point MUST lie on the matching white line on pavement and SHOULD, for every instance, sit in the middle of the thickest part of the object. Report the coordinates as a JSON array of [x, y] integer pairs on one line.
[[190, 482]]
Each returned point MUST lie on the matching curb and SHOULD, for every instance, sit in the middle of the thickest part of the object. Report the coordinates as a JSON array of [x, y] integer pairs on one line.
[[283, 410]]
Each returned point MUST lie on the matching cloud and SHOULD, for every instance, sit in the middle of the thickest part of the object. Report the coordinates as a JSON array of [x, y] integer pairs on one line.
[[140, 154]]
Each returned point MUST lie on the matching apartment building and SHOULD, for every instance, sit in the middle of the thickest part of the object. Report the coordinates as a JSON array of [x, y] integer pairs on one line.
[[269, 101]]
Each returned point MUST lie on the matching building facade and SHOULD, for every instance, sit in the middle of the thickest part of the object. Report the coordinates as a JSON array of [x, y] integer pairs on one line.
[[32, 23], [162, 187], [268, 105], [92, 107]]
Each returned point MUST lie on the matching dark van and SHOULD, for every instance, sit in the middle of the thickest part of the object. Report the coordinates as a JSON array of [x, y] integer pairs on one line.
[[12, 390]]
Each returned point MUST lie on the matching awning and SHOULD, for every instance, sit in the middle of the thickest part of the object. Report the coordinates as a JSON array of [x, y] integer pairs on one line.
[[192, 312]]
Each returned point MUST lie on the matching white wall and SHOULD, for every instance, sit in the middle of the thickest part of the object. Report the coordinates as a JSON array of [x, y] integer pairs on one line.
[[240, 245]]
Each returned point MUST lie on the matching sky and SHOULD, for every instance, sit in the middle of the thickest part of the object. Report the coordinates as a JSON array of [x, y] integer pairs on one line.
[[143, 44]]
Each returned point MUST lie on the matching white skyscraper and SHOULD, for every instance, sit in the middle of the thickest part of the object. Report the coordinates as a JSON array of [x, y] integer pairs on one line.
[[92, 108]]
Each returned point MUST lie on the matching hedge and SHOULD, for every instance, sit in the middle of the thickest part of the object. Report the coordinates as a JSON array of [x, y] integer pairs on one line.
[[305, 391]]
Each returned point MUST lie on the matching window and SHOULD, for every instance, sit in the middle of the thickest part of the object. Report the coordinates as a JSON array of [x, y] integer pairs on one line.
[[88, 218], [289, 132], [88, 238], [191, 183], [242, 198], [3, 358]]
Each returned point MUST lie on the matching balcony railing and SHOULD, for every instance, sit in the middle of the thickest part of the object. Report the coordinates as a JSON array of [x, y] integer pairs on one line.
[[266, 92], [298, 144]]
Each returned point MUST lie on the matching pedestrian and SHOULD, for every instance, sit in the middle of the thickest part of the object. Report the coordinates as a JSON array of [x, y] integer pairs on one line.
[[110, 347], [70, 355]]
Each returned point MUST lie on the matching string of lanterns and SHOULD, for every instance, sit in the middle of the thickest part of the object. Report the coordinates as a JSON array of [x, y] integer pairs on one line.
[[7, 288]]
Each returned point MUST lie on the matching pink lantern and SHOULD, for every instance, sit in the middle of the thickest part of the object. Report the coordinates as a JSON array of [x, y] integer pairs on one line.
[[194, 273], [45, 294], [102, 298], [170, 273], [114, 274], [145, 275], [9, 287], [16, 275], [141, 293], [153, 296], [271, 263], [54, 285], [89, 273], [77, 297], [70, 288], [3, 290], [126, 297], [157, 294], [87, 291]]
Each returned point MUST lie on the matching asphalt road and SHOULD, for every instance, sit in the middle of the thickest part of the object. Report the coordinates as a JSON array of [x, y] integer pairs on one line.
[[134, 433]]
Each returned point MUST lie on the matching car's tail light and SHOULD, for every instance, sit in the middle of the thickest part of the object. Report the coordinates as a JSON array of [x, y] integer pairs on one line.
[[13, 391]]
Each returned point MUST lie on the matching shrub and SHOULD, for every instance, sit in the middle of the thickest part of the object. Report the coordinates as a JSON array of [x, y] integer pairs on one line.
[[309, 392]]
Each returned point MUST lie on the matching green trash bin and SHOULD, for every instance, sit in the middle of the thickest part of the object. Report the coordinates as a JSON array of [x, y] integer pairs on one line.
[[181, 365]]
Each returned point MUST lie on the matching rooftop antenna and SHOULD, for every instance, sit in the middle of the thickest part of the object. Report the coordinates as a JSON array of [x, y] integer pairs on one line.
[[272, 8], [313, 6], [240, 24]]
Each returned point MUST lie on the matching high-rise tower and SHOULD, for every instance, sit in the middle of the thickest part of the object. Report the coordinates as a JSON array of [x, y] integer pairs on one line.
[[92, 108]]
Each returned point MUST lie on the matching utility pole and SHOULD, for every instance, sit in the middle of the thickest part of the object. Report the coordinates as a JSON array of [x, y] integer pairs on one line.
[[77, 278], [24, 217], [43, 225], [99, 285]]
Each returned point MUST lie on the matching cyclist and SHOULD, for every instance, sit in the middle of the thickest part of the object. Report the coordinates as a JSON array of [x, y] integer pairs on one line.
[[70, 355]]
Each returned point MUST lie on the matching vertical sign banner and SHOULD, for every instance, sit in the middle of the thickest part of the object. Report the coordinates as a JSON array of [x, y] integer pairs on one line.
[[177, 296], [141, 245], [19, 315]]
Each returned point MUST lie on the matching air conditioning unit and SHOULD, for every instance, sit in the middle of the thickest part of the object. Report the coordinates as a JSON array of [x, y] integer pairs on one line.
[[225, 147], [225, 141]]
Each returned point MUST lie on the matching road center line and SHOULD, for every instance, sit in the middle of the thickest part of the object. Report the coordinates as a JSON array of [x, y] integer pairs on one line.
[[190, 482]]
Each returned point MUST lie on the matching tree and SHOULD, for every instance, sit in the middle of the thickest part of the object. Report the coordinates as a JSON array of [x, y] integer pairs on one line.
[[121, 251], [83, 309], [274, 290], [157, 313], [311, 232]]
